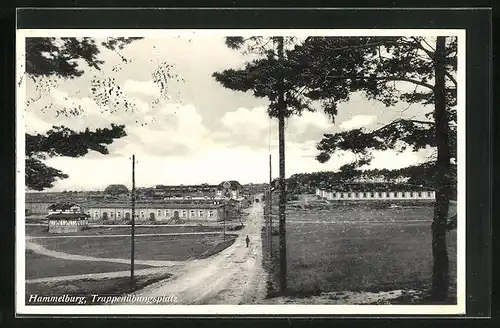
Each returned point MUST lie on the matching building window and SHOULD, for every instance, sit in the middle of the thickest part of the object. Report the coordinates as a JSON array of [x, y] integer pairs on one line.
[[372, 194], [341, 195], [349, 195], [111, 214], [119, 214], [210, 214], [429, 193], [201, 214], [159, 213], [184, 213], [166, 213], [96, 214], [142, 214], [380, 194], [192, 214]]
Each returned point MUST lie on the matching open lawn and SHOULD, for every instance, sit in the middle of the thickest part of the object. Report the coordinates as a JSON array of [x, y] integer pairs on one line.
[[42, 231], [41, 266], [357, 249], [88, 287], [164, 248]]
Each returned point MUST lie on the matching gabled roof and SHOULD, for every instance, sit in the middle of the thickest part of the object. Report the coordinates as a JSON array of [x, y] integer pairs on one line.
[[66, 216], [155, 206], [234, 184], [62, 206], [375, 187]]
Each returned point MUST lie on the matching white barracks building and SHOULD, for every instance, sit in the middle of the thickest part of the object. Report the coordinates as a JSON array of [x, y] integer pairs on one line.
[[376, 191]]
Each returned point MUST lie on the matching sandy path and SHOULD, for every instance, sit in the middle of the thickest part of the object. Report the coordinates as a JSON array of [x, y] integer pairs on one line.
[[65, 256], [234, 276]]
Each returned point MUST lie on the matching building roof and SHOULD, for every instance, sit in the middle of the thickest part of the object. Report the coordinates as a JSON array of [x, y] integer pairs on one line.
[[51, 197], [62, 206], [66, 216], [234, 185], [374, 186], [152, 205]]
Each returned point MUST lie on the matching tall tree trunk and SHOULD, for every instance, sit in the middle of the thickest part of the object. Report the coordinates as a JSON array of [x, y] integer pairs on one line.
[[282, 200], [440, 274]]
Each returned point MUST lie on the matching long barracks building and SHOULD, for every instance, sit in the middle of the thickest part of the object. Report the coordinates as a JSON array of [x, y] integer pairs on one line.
[[157, 211], [376, 191]]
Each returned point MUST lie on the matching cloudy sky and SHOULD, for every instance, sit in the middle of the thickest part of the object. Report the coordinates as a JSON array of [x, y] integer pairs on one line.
[[197, 131]]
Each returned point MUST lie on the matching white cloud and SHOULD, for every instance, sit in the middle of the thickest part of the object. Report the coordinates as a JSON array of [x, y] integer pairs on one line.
[[141, 87], [357, 121], [245, 120], [391, 159], [317, 120]]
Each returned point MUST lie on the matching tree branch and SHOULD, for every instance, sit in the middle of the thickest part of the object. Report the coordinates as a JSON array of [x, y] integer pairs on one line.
[[431, 56], [385, 79]]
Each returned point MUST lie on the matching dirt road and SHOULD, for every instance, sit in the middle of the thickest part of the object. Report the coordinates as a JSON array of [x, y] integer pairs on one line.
[[234, 276]]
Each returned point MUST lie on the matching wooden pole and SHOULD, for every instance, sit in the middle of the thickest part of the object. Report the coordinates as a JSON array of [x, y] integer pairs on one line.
[[281, 138], [269, 209], [132, 239], [224, 224]]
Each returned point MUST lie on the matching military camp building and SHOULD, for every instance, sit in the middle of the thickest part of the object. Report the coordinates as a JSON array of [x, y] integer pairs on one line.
[[157, 211], [376, 191]]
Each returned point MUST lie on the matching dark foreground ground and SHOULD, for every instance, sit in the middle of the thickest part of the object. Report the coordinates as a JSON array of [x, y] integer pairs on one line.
[[41, 266], [88, 287], [357, 250]]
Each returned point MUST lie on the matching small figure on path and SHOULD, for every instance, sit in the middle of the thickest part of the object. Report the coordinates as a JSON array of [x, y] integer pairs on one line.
[[247, 240]]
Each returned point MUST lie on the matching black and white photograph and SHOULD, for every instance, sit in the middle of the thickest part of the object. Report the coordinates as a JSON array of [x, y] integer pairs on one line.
[[240, 171]]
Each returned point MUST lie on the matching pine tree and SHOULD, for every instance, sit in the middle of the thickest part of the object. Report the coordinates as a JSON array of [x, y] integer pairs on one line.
[[380, 67]]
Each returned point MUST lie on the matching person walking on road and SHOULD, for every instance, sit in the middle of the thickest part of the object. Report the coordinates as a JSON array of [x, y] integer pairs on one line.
[[247, 240]]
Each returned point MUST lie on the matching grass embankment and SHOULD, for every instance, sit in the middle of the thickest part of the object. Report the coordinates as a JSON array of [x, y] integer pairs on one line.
[[42, 231], [357, 250], [41, 266], [161, 248]]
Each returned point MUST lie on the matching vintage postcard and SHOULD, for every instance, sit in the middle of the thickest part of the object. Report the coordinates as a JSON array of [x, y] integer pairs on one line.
[[240, 172]]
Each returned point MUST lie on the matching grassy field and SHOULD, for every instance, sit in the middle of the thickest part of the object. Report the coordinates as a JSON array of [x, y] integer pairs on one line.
[[41, 266], [41, 231], [88, 287], [167, 248], [357, 249]]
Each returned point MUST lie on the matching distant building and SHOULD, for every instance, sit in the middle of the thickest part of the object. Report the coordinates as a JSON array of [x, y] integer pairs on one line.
[[66, 208], [66, 218], [376, 191], [226, 189], [160, 211], [38, 203]]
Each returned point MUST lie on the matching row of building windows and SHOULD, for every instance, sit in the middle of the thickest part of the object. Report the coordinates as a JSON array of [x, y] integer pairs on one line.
[[381, 194], [159, 213]]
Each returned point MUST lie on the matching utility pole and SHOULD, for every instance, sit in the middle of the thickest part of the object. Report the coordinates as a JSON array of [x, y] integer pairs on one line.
[[132, 244], [281, 132], [224, 224], [269, 209]]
